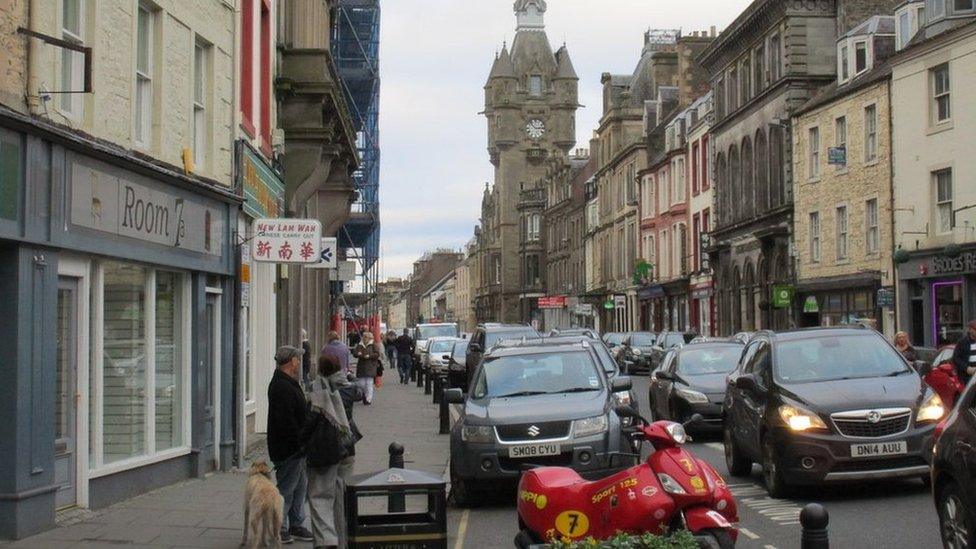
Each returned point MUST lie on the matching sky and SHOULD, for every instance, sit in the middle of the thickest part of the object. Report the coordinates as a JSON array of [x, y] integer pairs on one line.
[[435, 56]]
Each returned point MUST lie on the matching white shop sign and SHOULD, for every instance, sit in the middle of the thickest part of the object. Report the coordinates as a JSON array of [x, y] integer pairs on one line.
[[328, 255], [287, 241]]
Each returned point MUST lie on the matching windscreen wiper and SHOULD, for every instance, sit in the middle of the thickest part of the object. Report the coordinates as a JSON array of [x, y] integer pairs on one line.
[[522, 394], [577, 390]]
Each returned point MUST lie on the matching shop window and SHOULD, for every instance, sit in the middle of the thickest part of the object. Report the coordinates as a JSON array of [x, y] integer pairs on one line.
[[169, 360], [11, 168], [947, 307]]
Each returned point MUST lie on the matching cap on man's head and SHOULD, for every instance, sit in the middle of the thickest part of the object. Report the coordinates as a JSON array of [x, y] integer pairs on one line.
[[287, 353], [972, 324]]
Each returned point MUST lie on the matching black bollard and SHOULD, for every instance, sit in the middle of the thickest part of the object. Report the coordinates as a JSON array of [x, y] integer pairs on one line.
[[445, 416], [428, 388], [420, 376], [397, 502], [438, 388], [814, 519]]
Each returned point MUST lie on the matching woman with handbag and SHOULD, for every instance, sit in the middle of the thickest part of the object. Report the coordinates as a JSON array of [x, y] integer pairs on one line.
[[331, 436], [368, 365]]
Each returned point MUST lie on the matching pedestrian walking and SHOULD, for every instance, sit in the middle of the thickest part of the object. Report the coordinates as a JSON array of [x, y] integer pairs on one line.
[[306, 358], [405, 346], [389, 343], [336, 345], [287, 409], [332, 435], [904, 347], [368, 366], [964, 357]]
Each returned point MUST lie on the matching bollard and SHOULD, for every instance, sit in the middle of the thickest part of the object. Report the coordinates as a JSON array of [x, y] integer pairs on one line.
[[397, 502], [428, 389], [814, 519], [420, 376], [438, 389], [445, 417]]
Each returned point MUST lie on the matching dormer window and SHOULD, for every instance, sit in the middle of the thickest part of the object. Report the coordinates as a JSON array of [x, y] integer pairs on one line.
[[852, 65], [935, 9], [535, 85], [910, 18], [845, 59], [860, 57]]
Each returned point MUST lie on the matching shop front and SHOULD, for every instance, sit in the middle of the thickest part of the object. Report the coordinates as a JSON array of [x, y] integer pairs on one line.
[[555, 312], [937, 295], [653, 302], [701, 308], [118, 312]]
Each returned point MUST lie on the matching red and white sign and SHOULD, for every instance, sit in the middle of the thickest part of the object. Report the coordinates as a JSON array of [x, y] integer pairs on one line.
[[287, 241], [554, 302]]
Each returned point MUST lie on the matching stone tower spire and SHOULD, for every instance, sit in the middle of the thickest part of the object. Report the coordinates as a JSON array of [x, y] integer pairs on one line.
[[530, 14]]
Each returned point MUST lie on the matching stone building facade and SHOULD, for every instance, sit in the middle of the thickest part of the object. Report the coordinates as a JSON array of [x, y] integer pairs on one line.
[[531, 99], [842, 189], [769, 62], [430, 269], [701, 211]]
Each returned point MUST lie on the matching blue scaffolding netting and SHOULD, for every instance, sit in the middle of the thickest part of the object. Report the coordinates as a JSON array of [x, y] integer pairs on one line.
[[355, 47]]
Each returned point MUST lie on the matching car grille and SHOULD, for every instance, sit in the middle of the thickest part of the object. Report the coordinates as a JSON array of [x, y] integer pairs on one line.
[[543, 430], [860, 427], [878, 464], [562, 460]]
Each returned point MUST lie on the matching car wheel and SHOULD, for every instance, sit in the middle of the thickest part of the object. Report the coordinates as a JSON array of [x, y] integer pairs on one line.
[[737, 463], [772, 473], [954, 518], [463, 492], [715, 539]]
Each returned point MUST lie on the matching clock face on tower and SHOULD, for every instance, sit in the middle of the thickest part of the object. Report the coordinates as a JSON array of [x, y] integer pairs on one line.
[[535, 129]]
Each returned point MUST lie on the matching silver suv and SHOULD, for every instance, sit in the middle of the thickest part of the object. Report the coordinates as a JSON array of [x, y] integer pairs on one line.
[[535, 404]]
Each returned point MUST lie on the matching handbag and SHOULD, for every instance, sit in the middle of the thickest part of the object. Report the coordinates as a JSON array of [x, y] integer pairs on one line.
[[378, 381], [327, 445]]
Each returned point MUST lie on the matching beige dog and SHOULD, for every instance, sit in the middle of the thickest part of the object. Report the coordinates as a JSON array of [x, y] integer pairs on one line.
[[263, 509]]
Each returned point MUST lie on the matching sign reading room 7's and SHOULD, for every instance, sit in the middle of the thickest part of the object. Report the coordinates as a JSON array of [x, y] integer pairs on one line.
[[287, 241]]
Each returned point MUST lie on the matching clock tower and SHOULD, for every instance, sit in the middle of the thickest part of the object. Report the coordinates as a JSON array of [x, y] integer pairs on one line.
[[531, 99]]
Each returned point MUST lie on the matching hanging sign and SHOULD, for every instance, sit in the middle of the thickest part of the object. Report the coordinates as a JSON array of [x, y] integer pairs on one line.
[[287, 241], [782, 297], [329, 257], [811, 305]]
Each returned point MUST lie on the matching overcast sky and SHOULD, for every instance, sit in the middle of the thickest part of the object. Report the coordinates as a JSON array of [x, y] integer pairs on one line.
[[434, 60]]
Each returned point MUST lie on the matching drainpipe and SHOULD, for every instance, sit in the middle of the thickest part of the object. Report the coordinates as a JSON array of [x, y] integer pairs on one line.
[[239, 321], [891, 198]]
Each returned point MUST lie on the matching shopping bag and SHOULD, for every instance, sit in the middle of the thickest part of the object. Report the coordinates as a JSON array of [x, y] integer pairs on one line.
[[378, 381]]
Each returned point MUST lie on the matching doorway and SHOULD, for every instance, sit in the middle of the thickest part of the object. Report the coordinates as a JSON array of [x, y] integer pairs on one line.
[[66, 396], [209, 381]]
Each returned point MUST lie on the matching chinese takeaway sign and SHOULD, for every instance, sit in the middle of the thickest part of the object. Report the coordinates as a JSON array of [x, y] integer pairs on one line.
[[287, 241]]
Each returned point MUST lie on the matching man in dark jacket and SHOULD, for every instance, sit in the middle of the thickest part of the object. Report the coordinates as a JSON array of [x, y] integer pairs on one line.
[[405, 346], [964, 357], [286, 419]]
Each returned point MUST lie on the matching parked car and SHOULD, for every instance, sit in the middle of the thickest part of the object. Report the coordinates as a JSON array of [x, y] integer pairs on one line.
[[457, 374], [691, 380], [534, 404], [827, 405], [610, 367], [954, 474], [423, 332], [636, 352], [588, 332], [434, 357], [742, 337], [487, 335], [665, 342]]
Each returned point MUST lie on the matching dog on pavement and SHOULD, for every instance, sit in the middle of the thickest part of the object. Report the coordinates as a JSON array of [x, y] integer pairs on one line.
[[263, 509]]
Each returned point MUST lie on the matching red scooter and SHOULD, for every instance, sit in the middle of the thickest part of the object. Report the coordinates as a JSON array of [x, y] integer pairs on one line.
[[672, 490]]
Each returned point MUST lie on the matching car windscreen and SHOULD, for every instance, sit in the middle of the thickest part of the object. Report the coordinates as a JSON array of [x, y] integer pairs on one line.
[[672, 340], [441, 346], [713, 360], [642, 339], [537, 374], [836, 357], [615, 339], [427, 332], [494, 337], [460, 351], [609, 364]]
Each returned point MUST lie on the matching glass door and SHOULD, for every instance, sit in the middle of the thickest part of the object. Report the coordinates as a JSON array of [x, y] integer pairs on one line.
[[66, 395], [947, 309]]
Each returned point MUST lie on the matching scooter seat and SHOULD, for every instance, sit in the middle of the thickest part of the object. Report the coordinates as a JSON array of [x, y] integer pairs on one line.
[[557, 477]]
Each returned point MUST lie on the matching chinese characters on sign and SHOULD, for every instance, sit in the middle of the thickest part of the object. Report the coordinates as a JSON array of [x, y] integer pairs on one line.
[[287, 241]]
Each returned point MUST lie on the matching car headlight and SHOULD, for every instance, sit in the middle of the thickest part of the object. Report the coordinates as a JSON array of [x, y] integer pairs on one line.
[[800, 419], [693, 397], [670, 485], [677, 432], [933, 409], [637, 352], [589, 426], [622, 398], [477, 433]]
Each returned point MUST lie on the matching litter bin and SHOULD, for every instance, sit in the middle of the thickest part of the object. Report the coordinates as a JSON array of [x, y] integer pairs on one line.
[[370, 525]]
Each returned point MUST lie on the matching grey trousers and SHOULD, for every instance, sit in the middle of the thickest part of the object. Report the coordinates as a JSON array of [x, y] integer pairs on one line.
[[325, 500]]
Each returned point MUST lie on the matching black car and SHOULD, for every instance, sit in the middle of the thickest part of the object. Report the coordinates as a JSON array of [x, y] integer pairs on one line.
[[636, 351], [827, 405], [486, 336], [954, 474], [692, 381], [586, 332], [665, 342], [457, 374]]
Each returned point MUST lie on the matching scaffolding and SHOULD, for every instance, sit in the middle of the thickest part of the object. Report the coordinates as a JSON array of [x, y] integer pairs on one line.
[[355, 48]]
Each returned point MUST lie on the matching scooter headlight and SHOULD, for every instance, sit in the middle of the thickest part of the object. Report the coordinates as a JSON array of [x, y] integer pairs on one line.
[[677, 432], [933, 409], [479, 434], [670, 485], [589, 426]]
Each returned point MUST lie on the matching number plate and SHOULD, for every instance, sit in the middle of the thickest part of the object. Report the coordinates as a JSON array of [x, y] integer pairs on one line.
[[534, 450], [879, 449]]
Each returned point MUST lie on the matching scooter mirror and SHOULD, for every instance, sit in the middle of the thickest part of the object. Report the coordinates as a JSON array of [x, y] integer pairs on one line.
[[693, 421], [626, 411]]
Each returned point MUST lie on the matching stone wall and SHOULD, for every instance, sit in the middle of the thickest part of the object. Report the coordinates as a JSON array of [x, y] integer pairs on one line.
[[13, 54]]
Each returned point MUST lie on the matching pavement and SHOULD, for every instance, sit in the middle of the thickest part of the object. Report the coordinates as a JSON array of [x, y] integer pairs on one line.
[[208, 512]]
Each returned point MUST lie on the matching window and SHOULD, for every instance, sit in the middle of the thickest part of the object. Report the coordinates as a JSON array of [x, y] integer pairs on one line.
[[815, 237], [679, 180], [72, 62], [775, 58], [695, 170], [534, 228], [733, 91], [247, 65], [532, 270], [535, 85], [200, 140], [962, 5], [631, 183], [840, 137], [943, 202], [265, 96], [498, 269], [744, 73], [140, 382], [719, 98], [696, 241], [813, 153], [705, 165], [940, 93], [841, 233], [845, 63], [870, 133], [860, 57], [938, 8], [871, 241], [144, 67], [759, 76]]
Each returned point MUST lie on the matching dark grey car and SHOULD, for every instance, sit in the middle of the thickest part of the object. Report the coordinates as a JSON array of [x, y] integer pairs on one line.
[[535, 405]]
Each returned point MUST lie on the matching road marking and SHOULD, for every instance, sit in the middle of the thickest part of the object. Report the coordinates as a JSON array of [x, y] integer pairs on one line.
[[770, 547], [462, 529], [781, 511], [748, 533], [716, 446]]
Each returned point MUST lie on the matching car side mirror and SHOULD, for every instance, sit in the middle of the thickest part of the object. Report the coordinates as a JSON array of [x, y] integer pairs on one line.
[[474, 348], [626, 411], [748, 383], [446, 358], [454, 396], [665, 375], [657, 348], [620, 384]]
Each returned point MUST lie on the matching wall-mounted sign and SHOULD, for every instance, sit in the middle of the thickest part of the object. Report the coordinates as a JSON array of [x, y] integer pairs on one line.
[[554, 302], [245, 276], [584, 309], [109, 199], [965, 262], [811, 305], [886, 298], [263, 190], [837, 156], [609, 305], [287, 241], [620, 301], [782, 297], [328, 255]]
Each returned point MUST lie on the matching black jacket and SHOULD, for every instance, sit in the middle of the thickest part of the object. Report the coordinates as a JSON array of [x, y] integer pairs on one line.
[[962, 357], [405, 345], [287, 409]]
